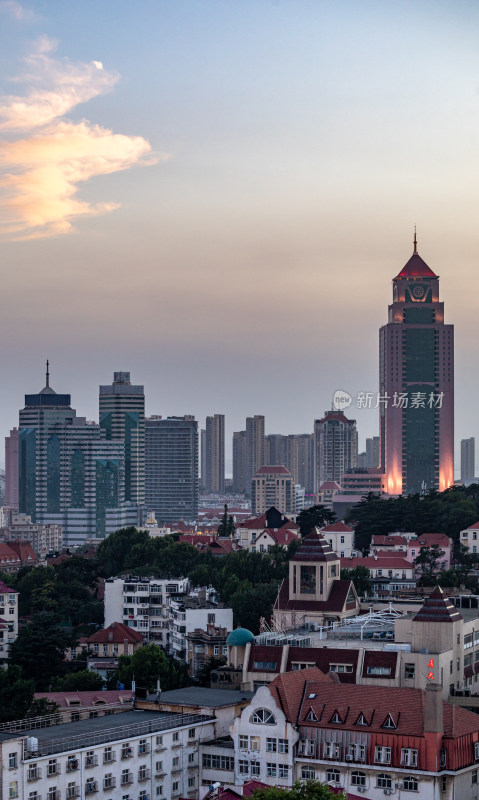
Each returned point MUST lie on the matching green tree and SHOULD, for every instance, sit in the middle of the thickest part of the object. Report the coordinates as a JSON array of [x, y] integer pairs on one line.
[[82, 681], [204, 674], [16, 693], [227, 525], [148, 664], [39, 650], [250, 603], [428, 562], [361, 577], [302, 790], [317, 516]]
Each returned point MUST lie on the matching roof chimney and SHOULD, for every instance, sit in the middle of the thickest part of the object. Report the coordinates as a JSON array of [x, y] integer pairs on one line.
[[433, 716]]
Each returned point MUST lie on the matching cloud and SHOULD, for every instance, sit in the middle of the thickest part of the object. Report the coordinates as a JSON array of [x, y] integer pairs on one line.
[[47, 156], [17, 11]]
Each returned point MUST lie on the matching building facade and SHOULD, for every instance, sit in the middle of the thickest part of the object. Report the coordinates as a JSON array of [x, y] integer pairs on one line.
[[11, 469], [416, 385], [335, 447], [468, 460], [239, 461], [272, 486], [214, 480], [122, 418], [255, 447], [172, 468]]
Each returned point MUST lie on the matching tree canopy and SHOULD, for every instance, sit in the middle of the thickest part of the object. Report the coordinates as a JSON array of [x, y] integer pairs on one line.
[[39, 650], [316, 516], [302, 790]]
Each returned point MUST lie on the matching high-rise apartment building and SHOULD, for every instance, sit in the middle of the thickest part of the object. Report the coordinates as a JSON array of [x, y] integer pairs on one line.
[[11, 469], [335, 447], [172, 468], [122, 417], [372, 453], [275, 449], [68, 474], [255, 455], [239, 461], [202, 479], [299, 459], [416, 385], [215, 454], [468, 456], [272, 486]]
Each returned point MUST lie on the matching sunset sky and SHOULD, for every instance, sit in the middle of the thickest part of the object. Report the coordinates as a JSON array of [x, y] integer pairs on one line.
[[216, 195]]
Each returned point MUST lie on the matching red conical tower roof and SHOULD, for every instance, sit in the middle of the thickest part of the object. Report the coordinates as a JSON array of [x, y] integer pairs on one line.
[[416, 267]]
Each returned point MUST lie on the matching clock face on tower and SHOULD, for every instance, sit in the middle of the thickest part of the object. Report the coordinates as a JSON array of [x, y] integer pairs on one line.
[[418, 292]]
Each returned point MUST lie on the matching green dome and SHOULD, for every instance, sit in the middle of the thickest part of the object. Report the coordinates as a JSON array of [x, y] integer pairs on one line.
[[239, 637]]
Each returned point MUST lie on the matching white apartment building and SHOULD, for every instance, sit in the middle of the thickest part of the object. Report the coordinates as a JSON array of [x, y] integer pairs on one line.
[[43, 538], [8, 618], [132, 755], [143, 604], [470, 538], [341, 538], [188, 615]]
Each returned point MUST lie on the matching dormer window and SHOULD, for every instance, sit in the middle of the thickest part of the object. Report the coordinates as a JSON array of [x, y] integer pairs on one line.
[[262, 717], [389, 723], [336, 719], [361, 720], [311, 716]]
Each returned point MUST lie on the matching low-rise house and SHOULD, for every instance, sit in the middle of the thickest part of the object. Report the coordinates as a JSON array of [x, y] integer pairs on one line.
[[203, 645], [272, 521], [341, 538], [72, 706]]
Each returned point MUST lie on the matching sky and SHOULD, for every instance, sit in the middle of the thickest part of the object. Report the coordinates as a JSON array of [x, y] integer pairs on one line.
[[216, 194]]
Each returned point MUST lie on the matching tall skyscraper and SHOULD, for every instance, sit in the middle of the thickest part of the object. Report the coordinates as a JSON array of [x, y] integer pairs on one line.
[[215, 453], [68, 474], [202, 479], [122, 417], [172, 468], [299, 459], [275, 449], [416, 380], [468, 456], [11, 469], [335, 447], [254, 447], [239, 461]]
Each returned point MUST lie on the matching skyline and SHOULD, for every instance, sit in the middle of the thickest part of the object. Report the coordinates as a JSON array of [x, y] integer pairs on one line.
[[286, 149]]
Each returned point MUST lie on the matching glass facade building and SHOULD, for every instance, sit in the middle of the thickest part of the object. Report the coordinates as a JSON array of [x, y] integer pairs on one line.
[[172, 468]]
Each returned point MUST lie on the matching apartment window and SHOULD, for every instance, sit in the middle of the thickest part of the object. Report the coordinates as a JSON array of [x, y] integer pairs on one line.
[[243, 766], [476, 751], [379, 670], [382, 755], [283, 771], [262, 717], [283, 746], [332, 776], [159, 741], [271, 745], [219, 762], [331, 750], [271, 770], [13, 789], [175, 786], [91, 786], [254, 768], [474, 776], [384, 781], [254, 742], [108, 756], [357, 752], [308, 774], [243, 742], [142, 747], [143, 773], [216, 650], [191, 783], [358, 778], [408, 757], [72, 790], [409, 670], [176, 737], [52, 766], [126, 751], [211, 619], [108, 781], [443, 783], [410, 783], [12, 761], [176, 762]]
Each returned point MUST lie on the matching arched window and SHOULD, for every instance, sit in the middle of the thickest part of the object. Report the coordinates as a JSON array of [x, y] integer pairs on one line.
[[384, 781], [410, 783], [262, 717], [358, 778], [332, 776]]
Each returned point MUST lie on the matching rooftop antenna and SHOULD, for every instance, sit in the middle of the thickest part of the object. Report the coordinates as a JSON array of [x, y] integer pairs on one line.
[[415, 242], [48, 374]]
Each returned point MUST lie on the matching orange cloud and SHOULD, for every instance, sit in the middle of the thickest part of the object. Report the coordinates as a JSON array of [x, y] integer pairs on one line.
[[40, 172]]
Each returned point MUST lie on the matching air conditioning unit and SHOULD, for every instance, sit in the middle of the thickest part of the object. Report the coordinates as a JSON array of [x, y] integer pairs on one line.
[[398, 786], [360, 789], [388, 791], [349, 757]]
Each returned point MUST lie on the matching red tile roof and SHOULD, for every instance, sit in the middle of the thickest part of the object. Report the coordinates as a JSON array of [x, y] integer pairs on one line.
[[437, 608], [288, 689], [474, 527], [86, 699], [386, 561], [24, 551], [282, 536], [273, 469], [336, 601], [337, 527], [378, 540], [116, 633], [4, 589], [314, 547], [7, 555], [430, 539], [330, 486]]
